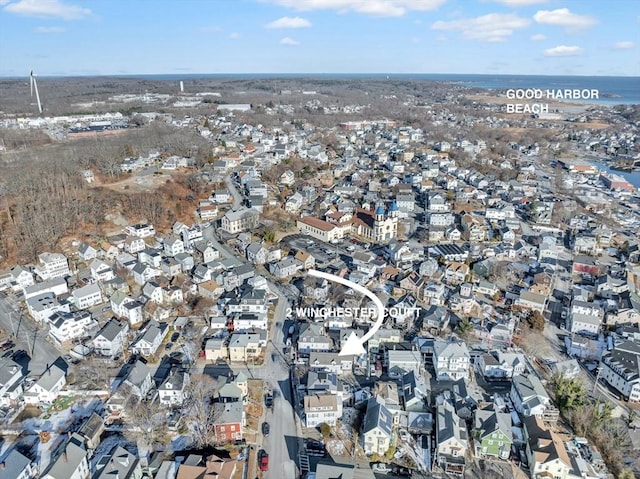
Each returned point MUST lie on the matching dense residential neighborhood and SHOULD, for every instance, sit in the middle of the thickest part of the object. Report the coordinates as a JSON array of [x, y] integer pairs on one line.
[[510, 327]]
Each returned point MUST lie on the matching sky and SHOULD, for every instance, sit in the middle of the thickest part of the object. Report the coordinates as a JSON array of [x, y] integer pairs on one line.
[[128, 37]]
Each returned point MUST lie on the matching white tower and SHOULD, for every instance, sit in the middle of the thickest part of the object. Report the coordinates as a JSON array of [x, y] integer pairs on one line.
[[181, 86], [34, 86]]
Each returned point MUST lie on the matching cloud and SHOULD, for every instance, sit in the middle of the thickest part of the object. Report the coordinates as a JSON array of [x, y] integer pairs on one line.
[[379, 8], [562, 17], [563, 51], [234, 35], [623, 45], [520, 3], [494, 27], [49, 30], [47, 8], [539, 37], [289, 41], [289, 22]]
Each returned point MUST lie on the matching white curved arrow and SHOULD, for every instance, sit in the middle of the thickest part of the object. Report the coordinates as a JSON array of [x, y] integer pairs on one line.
[[354, 345]]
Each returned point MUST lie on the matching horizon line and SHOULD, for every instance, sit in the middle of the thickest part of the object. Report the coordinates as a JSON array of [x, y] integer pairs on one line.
[[303, 75]]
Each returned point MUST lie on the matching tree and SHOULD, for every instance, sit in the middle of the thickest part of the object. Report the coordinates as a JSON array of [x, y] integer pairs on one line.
[[147, 422], [570, 392], [464, 328], [199, 410], [325, 430]]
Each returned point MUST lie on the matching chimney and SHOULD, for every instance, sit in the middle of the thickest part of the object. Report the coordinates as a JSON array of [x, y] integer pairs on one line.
[[64, 456], [2, 465]]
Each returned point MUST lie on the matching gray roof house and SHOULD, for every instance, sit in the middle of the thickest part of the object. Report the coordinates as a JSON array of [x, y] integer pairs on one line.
[[70, 461]]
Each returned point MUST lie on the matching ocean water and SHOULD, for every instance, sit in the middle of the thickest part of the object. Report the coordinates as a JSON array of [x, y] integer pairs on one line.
[[613, 90]]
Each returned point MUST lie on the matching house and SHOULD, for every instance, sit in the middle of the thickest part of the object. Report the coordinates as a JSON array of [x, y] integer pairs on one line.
[[415, 392], [584, 323], [43, 306], [52, 265], [546, 453], [87, 296], [285, 268], [305, 259], [400, 362], [17, 466], [500, 365], [70, 461], [139, 379], [21, 278], [244, 347], [451, 360], [133, 312], [251, 300], [230, 421], [141, 230], [133, 245], [492, 432], [110, 340], [620, 368], [528, 396], [172, 391], [118, 463], [207, 252], [153, 292], [451, 438], [377, 428], [10, 382], [533, 301], [456, 272], [322, 408], [143, 272], [56, 286], [148, 341], [330, 362], [173, 246], [87, 252], [64, 327], [215, 349], [210, 289], [312, 338], [46, 389], [197, 467], [294, 203], [245, 219], [101, 271]]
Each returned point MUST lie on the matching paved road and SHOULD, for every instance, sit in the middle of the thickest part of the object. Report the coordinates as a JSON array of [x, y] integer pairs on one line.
[[31, 339], [237, 197]]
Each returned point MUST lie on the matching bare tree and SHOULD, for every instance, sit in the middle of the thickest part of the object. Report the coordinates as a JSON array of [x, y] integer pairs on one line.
[[199, 411]]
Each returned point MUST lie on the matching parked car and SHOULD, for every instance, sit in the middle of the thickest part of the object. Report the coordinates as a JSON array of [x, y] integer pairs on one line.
[[268, 400], [263, 460], [168, 346], [8, 345], [380, 468], [265, 429], [174, 337]]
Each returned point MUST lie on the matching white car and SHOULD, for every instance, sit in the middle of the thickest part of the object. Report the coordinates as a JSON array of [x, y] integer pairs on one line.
[[380, 468]]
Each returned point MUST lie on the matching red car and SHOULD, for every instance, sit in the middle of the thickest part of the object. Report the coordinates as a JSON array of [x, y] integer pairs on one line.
[[263, 460]]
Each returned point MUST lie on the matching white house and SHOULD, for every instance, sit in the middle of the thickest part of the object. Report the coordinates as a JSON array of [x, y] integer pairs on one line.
[[46, 389], [110, 340], [529, 396], [87, 296], [70, 462], [65, 327], [148, 342], [172, 390], [10, 378], [322, 408], [451, 360], [52, 265]]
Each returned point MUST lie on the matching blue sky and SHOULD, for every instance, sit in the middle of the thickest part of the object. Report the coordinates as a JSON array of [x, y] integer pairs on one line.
[[90, 37]]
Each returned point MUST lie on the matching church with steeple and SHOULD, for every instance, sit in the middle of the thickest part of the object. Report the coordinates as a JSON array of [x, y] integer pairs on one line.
[[377, 225]]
